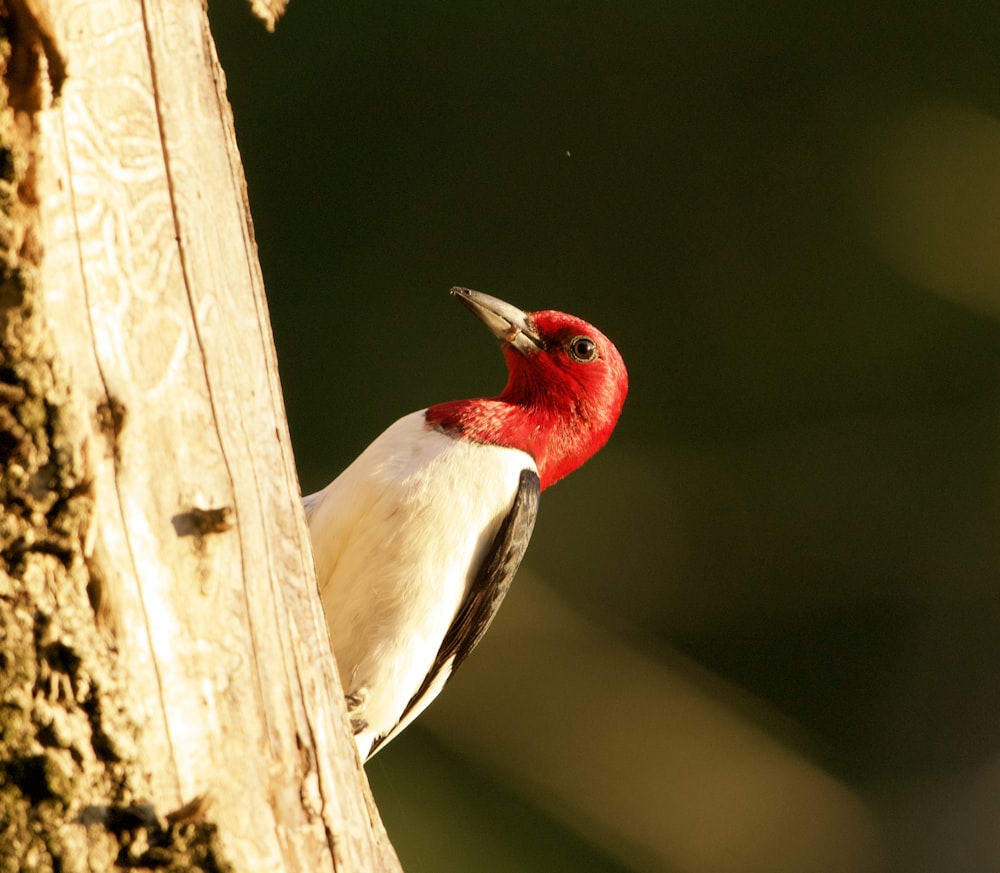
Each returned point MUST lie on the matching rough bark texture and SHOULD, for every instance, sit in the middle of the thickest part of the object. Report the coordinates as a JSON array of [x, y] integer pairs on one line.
[[167, 693]]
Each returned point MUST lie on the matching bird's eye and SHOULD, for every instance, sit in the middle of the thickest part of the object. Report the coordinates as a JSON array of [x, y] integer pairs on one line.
[[582, 349]]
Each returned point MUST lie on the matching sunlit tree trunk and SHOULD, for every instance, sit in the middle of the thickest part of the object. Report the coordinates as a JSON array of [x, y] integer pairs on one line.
[[167, 693]]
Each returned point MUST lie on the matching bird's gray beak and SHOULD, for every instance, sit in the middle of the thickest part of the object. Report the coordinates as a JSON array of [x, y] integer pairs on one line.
[[507, 323]]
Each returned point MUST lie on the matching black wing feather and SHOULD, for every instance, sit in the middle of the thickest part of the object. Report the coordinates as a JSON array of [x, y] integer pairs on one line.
[[486, 593]]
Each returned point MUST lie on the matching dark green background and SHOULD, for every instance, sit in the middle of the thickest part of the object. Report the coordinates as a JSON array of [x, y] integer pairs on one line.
[[802, 492]]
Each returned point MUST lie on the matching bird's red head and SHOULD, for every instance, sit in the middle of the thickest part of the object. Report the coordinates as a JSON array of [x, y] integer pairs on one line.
[[564, 393]]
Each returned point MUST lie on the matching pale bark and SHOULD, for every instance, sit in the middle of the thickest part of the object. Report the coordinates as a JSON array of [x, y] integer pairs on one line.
[[197, 663]]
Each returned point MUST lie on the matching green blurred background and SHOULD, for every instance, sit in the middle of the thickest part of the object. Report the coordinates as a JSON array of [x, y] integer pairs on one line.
[[761, 630]]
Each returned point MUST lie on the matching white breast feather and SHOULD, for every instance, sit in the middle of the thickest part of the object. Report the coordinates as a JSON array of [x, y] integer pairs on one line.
[[396, 539]]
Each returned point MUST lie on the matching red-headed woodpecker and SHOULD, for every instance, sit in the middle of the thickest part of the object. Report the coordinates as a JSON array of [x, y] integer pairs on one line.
[[417, 541]]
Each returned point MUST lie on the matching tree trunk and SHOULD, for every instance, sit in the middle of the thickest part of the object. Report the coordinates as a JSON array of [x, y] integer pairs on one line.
[[167, 693]]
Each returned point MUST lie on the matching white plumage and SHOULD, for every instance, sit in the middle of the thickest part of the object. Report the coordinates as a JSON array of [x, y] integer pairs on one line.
[[397, 539]]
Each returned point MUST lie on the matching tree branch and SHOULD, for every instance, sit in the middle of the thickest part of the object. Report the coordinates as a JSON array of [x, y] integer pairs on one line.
[[195, 615]]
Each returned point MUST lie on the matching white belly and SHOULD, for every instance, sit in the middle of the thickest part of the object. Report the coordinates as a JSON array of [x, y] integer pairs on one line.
[[397, 538]]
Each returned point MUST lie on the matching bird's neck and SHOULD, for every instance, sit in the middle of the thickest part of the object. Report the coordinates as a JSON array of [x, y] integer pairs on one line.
[[558, 441]]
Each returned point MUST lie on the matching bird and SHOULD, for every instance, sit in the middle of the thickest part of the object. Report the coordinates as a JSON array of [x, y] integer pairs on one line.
[[416, 542]]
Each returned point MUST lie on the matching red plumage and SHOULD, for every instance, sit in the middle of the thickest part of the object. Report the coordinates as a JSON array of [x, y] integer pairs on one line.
[[558, 406]]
